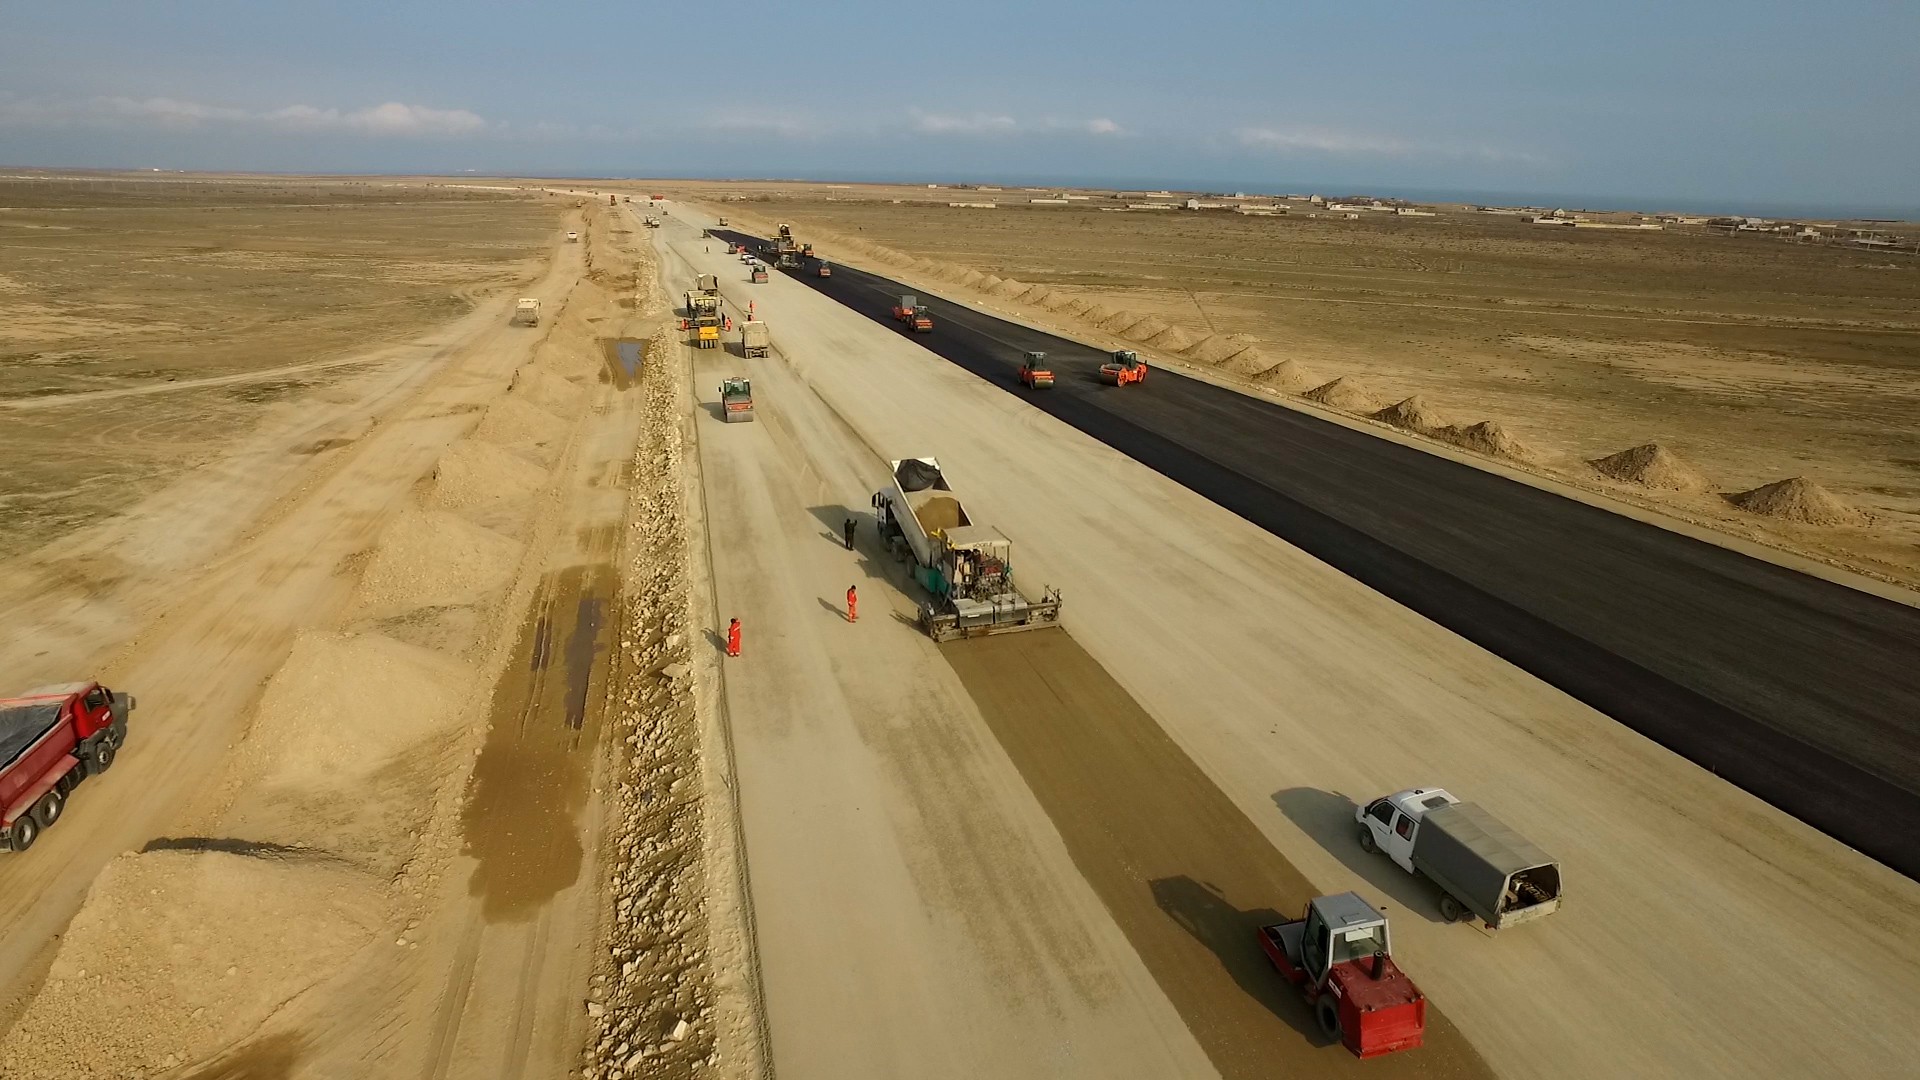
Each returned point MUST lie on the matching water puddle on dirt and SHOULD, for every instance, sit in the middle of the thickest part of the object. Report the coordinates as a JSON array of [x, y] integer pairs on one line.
[[624, 359], [521, 819]]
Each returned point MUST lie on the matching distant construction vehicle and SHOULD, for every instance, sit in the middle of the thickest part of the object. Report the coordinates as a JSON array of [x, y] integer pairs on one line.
[[703, 312], [526, 312], [755, 341], [967, 569], [758, 275], [736, 400], [1340, 957], [1483, 867], [912, 315], [723, 223], [572, 237], [611, 201], [1034, 372], [825, 270], [1125, 367], [786, 254]]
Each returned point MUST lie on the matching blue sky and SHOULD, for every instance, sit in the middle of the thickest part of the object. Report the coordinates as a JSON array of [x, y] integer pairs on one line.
[[1753, 102]]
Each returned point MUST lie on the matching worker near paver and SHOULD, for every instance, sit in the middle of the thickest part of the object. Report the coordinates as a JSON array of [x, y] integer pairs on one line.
[[848, 530], [853, 605], [749, 309], [733, 638]]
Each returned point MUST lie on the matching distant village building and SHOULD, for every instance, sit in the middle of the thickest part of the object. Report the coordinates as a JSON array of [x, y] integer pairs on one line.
[[975, 205]]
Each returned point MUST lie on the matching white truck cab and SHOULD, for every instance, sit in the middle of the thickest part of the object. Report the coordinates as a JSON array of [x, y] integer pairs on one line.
[[1394, 820]]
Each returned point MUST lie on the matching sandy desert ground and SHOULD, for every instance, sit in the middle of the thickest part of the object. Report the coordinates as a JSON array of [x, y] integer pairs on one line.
[[149, 324], [1746, 360], [439, 770]]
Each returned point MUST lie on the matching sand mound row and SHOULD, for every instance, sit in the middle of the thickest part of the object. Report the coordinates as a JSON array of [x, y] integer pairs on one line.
[[1654, 466], [1490, 438], [176, 954], [518, 424], [1347, 394], [343, 706], [434, 559], [1797, 499], [1288, 376], [1008, 288], [482, 475], [1246, 363], [1412, 414], [1146, 329], [1217, 347], [534, 383]]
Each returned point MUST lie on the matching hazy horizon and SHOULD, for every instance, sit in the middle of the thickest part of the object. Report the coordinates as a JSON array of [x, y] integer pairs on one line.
[[1783, 109]]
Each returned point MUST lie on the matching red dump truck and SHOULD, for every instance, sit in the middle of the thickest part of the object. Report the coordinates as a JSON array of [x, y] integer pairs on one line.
[[51, 739]]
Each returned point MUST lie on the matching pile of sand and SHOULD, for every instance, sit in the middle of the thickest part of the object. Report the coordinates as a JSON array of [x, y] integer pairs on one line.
[[1214, 348], [434, 559], [1412, 414], [1797, 499], [1654, 466], [538, 384], [1009, 288], [515, 423], [972, 278], [1061, 300], [343, 706], [1246, 363], [479, 475], [1490, 438], [176, 955], [989, 283], [1038, 296], [1346, 394], [1118, 321], [1146, 329], [1172, 339], [1288, 376]]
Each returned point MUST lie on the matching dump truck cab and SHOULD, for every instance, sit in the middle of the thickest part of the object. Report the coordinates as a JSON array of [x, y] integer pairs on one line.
[[51, 739], [1340, 955]]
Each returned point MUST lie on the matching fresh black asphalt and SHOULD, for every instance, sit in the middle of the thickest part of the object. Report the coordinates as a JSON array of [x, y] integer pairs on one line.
[[1803, 692]]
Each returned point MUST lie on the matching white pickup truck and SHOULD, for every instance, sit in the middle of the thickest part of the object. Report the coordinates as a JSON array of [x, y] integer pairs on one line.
[[1483, 867]]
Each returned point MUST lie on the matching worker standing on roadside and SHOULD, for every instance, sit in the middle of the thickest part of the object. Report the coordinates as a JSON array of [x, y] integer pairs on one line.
[[853, 605], [848, 530], [733, 638], [749, 309]]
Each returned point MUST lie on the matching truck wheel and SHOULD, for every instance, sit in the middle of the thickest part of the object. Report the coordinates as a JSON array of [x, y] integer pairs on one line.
[[25, 832], [1450, 909], [103, 754], [1367, 843], [1326, 1012], [47, 810]]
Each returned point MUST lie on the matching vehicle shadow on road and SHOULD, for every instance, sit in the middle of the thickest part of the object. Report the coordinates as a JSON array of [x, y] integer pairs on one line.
[[1232, 936], [1328, 817], [716, 409]]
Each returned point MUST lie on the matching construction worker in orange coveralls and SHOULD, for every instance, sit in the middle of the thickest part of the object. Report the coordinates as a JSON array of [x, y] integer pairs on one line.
[[853, 605], [733, 638]]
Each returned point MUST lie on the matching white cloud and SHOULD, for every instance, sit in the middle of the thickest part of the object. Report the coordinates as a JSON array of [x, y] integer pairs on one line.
[[969, 124], [1331, 142], [1104, 126], [761, 121], [392, 119]]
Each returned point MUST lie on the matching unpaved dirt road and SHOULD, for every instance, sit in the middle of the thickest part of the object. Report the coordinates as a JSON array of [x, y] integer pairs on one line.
[[916, 914], [424, 573], [1300, 693]]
